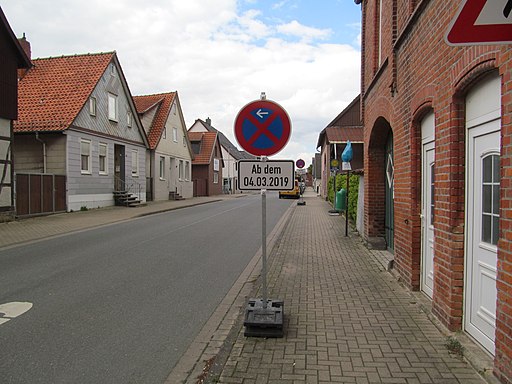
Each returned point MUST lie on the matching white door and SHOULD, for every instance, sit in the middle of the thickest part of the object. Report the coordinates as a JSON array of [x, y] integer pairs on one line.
[[483, 195], [427, 205], [427, 220]]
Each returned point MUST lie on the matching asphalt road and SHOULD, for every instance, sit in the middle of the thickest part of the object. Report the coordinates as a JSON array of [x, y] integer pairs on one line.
[[121, 303]]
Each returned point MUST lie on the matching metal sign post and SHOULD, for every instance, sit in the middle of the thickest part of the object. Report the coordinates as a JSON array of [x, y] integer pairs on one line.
[[264, 241], [263, 128], [301, 164], [346, 156]]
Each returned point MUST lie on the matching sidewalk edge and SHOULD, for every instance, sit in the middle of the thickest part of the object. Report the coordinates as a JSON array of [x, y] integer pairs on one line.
[[194, 364]]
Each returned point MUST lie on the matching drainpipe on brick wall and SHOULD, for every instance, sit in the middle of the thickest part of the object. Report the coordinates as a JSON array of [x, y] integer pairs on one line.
[[44, 151]]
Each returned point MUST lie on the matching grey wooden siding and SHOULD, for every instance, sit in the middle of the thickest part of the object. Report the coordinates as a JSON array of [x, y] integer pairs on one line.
[[96, 183], [28, 153], [147, 119], [100, 123]]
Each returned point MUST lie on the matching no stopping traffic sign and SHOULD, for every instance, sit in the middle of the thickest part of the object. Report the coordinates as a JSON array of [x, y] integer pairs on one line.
[[262, 128]]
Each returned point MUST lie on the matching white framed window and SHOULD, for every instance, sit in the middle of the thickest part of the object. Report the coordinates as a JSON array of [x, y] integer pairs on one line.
[[162, 167], [112, 107], [129, 119], [85, 156], [216, 164], [175, 135], [103, 159], [184, 141], [92, 106], [164, 133], [215, 177], [490, 199], [187, 170], [135, 162], [180, 170]]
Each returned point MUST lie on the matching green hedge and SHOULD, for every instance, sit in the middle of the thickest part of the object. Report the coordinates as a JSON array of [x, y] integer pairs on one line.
[[341, 182]]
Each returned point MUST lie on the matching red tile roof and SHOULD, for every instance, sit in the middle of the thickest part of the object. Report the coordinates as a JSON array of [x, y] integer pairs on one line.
[[163, 102], [208, 140], [55, 89]]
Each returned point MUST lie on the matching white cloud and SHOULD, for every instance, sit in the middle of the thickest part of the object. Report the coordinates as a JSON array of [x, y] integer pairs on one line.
[[308, 34], [217, 60]]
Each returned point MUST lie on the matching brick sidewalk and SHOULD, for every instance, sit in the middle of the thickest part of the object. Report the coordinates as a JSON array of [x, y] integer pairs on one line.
[[347, 320]]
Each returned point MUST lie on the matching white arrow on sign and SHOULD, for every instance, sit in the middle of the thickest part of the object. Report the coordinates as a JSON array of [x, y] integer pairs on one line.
[[9, 311], [260, 113]]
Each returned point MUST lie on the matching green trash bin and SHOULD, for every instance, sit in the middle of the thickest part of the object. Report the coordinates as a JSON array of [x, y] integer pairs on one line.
[[341, 200]]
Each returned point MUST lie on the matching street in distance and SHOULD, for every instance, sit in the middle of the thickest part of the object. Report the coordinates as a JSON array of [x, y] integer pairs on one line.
[[275, 175]]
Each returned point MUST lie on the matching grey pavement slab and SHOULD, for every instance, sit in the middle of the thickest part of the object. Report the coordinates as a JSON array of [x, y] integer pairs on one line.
[[347, 319]]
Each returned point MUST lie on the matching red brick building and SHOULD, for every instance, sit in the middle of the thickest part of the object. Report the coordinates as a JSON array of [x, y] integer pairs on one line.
[[438, 165], [207, 164]]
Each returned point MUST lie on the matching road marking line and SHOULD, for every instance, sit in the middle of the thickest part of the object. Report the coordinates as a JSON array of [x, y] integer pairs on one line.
[[9, 311]]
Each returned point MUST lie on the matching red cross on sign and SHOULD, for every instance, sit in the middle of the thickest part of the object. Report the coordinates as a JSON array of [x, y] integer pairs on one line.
[[262, 128]]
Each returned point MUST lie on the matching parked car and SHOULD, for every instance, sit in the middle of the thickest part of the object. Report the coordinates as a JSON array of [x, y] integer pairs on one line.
[[293, 194]]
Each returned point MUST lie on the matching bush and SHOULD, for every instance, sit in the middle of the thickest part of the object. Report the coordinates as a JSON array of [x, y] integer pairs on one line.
[[341, 182]]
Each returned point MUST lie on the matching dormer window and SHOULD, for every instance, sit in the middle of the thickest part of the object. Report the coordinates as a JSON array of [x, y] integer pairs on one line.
[[196, 147]]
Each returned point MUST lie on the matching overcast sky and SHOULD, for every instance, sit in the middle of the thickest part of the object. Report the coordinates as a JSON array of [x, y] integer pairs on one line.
[[218, 54]]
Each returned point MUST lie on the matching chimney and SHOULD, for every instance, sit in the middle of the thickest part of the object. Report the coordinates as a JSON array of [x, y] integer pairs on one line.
[[208, 121], [26, 46]]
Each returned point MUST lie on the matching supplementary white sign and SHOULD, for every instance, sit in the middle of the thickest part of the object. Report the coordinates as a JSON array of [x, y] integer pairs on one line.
[[271, 175]]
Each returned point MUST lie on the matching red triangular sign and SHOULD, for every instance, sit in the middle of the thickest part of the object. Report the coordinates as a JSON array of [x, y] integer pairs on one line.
[[481, 22]]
